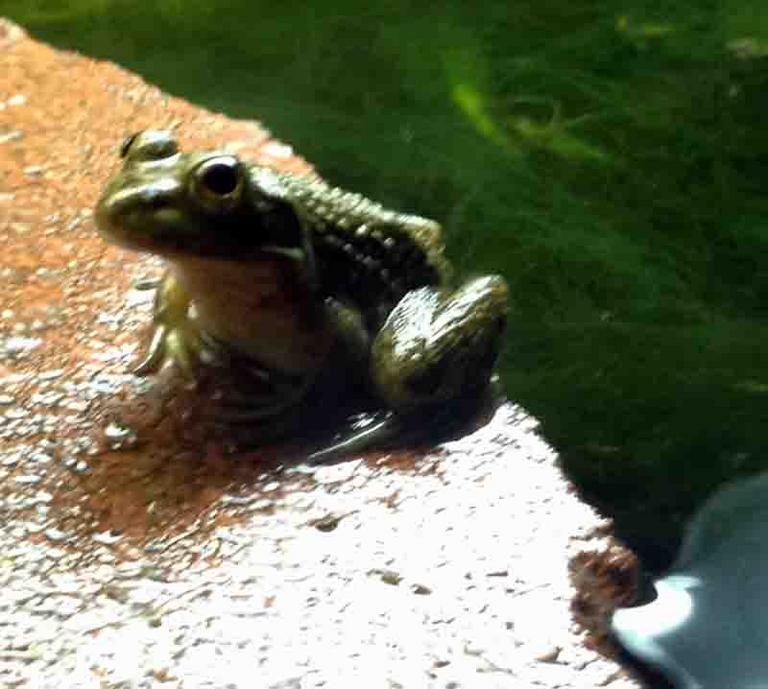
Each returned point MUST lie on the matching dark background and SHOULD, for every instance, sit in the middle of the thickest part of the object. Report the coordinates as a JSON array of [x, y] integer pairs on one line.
[[608, 157]]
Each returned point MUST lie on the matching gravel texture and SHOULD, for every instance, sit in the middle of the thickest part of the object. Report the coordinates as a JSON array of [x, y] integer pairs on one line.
[[136, 553]]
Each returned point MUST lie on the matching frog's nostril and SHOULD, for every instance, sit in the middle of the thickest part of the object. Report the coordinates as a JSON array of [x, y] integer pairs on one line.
[[156, 201]]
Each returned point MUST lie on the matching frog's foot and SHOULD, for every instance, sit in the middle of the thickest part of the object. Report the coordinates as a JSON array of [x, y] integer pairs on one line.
[[438, 346], [387, 430], [180, 346], [174, 336], [252, 391], [364, 432], [267, 398]]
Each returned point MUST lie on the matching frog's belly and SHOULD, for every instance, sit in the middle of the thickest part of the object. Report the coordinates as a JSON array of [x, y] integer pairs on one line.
[[262, 309]]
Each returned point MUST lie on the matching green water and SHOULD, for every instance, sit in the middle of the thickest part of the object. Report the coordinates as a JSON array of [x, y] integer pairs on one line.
[[610, 158]]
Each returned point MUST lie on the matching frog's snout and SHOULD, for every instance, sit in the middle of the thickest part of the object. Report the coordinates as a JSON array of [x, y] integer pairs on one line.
[[134, 215], [138, 198]]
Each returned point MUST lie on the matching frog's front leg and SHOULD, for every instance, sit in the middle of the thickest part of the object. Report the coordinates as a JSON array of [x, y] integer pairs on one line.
[[438, 345], [174, 336]]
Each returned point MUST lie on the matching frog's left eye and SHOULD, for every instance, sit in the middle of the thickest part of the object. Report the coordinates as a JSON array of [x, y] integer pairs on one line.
[[126, 145], [218, 182], [149, 145]]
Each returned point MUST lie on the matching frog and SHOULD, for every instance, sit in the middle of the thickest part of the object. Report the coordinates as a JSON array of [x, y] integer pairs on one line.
[[297, 284]]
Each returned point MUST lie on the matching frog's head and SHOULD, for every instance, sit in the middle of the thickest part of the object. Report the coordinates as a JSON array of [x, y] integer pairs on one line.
[[198, 204]]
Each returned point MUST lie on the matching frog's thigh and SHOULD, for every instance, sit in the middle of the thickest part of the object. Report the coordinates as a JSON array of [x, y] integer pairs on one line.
[[350, 331], [438, 345]]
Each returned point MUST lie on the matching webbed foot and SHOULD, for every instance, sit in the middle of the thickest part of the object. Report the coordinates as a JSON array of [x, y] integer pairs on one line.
[[365, 432], [387, 430]]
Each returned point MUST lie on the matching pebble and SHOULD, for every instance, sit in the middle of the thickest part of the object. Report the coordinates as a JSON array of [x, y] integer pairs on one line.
[[51, 375], [69, 462], [28, 479], [17, 345], [16, 413], [550, 655], [56, 535], [390, 577], [76, 406], [47, 399], [103, 387], [12, 135], [11, 460], [34, 170], [236, 500], [106, 537], [119, 437]]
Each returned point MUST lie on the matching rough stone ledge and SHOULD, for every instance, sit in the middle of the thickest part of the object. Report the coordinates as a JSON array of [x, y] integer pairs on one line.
[[146, 559]]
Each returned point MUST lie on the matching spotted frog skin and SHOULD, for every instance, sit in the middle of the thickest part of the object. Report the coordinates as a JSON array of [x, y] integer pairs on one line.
[[296, 281]]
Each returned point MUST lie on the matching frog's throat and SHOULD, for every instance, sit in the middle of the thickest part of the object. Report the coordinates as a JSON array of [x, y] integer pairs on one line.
[[262, 309]]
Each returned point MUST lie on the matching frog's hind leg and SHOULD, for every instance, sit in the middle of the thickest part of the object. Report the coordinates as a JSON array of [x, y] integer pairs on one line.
[[432, 364], [438, 346]]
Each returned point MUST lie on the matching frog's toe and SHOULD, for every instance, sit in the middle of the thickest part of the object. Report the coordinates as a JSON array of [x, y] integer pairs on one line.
[[182, 350], [154, 357], [366, 433], [254, 408]]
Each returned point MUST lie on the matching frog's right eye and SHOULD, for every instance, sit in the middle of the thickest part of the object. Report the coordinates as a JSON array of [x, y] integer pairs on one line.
[[218, 183], [151, 144]]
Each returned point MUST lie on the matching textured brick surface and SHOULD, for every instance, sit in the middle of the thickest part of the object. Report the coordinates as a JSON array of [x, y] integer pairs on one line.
[[134, 553]]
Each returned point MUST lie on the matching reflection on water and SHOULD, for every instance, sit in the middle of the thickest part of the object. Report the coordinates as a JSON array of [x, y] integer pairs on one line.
[[607, 157]]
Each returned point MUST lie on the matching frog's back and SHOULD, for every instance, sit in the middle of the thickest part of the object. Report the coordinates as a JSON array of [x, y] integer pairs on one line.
[[366, 252]]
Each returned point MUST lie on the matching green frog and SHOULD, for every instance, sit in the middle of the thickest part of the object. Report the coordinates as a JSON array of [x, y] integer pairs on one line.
[[297, 285]]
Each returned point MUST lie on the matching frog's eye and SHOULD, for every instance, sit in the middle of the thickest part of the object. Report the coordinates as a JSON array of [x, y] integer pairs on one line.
[[152, 144], [126, 145], [218, 182]]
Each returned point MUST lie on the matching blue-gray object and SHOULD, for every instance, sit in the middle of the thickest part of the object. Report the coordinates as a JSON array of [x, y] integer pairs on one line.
[[708, 626]]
